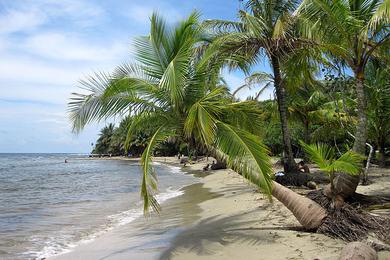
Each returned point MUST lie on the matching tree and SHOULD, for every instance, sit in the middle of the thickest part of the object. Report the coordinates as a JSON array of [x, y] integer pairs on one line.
[[103, 143], [353, 32], [304, 107], [171, 93], [266, 28], [325, 157]]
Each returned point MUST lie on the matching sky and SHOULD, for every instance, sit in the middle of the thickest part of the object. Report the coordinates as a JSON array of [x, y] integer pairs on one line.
[[47, 46]]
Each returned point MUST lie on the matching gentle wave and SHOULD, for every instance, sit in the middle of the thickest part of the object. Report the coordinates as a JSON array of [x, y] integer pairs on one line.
[[57, 246]]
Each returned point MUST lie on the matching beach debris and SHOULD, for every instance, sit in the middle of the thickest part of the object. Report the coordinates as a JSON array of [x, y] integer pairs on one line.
[[348, 223], [184, 160], [278, 174], [358, 251], [218, 165], [311, 185]]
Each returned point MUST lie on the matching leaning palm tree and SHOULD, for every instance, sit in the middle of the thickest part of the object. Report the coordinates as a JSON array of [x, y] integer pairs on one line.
[[266, 29], [173, 93]]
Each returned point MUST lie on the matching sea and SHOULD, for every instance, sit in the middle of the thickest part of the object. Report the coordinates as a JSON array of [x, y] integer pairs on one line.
[[49, 207]]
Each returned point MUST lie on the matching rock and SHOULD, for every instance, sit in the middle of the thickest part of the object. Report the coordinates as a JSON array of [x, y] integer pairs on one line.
[[311, 185], [183, 160], [358, 251]]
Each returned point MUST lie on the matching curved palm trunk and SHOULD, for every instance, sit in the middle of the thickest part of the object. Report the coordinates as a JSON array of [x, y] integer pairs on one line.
[[288, 157], [307, 212]]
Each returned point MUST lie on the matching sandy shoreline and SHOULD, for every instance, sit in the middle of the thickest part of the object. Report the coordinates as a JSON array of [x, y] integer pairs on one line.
[[223, 217]]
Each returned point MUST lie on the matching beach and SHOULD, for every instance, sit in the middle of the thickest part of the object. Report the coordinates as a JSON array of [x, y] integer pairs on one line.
[[221, 217]]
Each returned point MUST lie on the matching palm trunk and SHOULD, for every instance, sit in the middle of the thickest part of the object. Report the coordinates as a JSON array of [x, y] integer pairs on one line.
[[306, 211], [361, 128], [288, 157], [345, 184]]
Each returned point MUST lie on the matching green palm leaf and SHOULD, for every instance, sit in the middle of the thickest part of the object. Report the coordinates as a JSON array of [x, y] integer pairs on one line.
[[245, 154]]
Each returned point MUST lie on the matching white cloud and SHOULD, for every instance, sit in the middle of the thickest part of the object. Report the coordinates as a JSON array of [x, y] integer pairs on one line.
[[31, 14], [64, 46], [15, 69], [15, 21]]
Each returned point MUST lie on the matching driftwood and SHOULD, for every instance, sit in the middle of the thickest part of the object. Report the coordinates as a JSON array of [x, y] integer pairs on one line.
[[365, 173]]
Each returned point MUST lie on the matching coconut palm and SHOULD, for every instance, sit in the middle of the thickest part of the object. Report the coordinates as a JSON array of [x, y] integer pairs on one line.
[[266, 29], [304, 107], [170, 91], [103, 143], [254, 80], [353, 31], [325, 157]]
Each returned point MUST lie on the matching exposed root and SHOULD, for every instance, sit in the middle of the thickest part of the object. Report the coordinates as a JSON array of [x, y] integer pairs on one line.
[[351, 224]]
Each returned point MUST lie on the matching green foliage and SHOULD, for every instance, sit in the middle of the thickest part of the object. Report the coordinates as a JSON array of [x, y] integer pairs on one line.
[[104, 141], [378, 86], [325, 157]]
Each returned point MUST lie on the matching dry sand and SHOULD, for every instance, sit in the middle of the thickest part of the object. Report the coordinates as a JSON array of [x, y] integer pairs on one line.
[[235, 222]]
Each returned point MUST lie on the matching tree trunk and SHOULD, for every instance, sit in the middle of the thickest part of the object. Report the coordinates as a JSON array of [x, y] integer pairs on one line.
[[345, 184], [288, 157], [306, 211], [382, 157], [307, 133], [361, 128]]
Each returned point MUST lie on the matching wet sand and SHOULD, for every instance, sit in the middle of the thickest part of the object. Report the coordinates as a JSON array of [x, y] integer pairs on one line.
[[223, 217]]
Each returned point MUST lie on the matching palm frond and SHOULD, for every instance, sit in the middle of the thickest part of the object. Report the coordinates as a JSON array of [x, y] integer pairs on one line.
[[348, 162], [245, 154], [319, 153], [149, 178]]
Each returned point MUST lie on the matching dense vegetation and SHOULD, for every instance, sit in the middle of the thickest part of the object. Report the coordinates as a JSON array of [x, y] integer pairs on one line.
[[330, 72]]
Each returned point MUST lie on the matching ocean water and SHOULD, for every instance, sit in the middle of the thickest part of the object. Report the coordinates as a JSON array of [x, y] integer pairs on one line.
[[49, 207]]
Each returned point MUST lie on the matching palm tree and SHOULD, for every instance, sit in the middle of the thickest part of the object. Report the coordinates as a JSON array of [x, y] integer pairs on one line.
[[103, 143], [169, 92], [266, 28], [172, 92], [305, 106], [353, 31], [325, 157]]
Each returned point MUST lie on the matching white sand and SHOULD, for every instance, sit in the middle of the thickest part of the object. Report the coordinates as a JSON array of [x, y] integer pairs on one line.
[[239, 223]]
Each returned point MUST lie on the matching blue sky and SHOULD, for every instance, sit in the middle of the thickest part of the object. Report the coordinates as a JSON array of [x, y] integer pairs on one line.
[[47, 46]]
